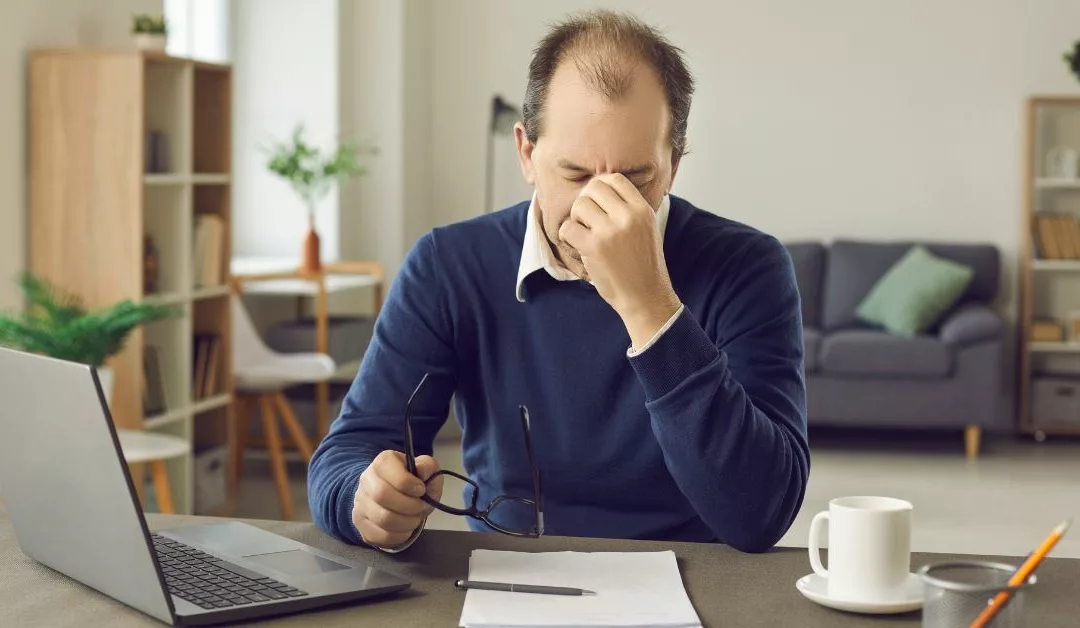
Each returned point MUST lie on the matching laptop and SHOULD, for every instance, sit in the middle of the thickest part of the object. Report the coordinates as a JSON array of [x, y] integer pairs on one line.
[[72, 504]]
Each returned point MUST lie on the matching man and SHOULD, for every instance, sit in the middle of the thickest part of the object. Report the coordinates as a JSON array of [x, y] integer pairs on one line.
[[657, 347]]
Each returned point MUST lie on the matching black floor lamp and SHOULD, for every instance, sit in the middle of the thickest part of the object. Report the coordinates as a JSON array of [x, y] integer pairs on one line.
[[503, 117]]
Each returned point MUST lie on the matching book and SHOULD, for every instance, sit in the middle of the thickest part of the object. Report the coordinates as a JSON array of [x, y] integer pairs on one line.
[[209, 250], [202, 356], [1061, 234], [209, 386], [1074, 234], [1047, 242]]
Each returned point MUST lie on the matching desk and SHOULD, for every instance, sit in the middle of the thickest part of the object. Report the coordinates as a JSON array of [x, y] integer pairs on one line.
[[728, 588], [282, 277]]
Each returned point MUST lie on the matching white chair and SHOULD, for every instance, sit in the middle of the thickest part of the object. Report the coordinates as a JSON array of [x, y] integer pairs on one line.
[[261, 375]]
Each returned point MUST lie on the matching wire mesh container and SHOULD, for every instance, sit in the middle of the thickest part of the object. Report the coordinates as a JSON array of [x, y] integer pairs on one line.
[[958, 592]]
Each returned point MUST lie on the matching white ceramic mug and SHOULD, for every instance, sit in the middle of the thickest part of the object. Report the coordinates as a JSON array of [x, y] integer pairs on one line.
[[869, 548], [1062, 163]]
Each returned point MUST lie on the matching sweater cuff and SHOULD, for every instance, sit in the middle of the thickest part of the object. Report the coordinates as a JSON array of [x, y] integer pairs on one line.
[[671, 321], [681, 351], [408, 542]]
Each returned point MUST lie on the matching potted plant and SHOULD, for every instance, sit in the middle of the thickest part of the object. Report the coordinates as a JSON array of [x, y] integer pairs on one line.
[[55, 323], [150, 32], [312, 173], [1072, 58]]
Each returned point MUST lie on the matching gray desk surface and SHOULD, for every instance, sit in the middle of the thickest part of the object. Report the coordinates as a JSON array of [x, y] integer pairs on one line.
[[727, 588]]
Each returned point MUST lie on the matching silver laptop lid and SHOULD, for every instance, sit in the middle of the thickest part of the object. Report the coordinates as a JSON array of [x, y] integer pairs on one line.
[[64, 483]]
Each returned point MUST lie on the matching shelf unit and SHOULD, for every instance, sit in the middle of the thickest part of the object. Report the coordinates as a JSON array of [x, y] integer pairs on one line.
[[92, 201], [1049, 288]]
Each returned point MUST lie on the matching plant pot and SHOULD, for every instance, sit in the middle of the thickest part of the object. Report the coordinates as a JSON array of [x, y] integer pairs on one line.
[[150, 42], [106, 377], [312, 261]]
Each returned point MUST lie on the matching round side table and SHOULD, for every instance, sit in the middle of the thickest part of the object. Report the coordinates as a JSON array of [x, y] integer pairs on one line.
[[145, 447]]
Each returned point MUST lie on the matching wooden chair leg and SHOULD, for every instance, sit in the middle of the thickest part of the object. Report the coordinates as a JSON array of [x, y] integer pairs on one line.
[[138, 478], [277, 456], [242, 426], [288, 418], [161, 487], [972, 436]]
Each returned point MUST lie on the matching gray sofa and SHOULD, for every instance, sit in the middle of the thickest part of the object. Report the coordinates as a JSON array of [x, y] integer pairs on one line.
[[950, 378]]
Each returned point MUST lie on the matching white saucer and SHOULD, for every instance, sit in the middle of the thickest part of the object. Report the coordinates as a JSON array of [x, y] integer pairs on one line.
[[816, 589]]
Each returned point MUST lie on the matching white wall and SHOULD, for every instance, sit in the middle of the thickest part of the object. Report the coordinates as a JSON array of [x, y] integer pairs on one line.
[[24, 25], [825, 119], [386, 87], [285, 71]]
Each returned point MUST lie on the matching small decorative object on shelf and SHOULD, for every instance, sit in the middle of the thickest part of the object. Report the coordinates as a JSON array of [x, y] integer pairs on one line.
[[150, 32], [157, 152], [311, 173], [1072, 58], [57, 324], [1061, 163], [151, 265]]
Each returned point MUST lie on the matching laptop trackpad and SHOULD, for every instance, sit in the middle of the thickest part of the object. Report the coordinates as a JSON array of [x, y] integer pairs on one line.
[[296, 563]]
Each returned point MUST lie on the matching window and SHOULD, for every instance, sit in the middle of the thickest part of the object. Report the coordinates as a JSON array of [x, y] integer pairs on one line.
[[198, 29]]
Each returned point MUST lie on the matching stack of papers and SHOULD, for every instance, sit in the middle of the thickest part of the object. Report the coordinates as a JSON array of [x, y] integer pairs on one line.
[[632, 589]]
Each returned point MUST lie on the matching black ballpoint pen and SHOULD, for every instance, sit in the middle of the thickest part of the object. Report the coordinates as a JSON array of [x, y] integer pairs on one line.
[[520, 588]]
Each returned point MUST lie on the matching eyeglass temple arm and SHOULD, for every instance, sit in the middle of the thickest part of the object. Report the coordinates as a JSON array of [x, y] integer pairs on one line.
[[410, 449], [538, 495]]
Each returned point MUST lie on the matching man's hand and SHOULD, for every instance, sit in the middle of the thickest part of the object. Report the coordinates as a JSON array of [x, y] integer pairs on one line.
[[387, 508], [614, 229]]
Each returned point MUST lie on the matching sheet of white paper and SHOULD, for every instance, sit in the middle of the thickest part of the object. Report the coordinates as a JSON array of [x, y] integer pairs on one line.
[[632, 589]]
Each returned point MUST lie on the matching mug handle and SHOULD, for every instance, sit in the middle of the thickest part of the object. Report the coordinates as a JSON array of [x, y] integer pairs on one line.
[[814, 544]]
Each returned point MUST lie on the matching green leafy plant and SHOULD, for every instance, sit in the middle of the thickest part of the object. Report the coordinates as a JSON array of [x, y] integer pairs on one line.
[[148, 24], [57, 324], [1072, 58], [312, 172]]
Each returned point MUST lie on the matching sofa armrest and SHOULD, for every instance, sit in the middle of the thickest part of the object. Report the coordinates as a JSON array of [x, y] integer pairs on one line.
[[971, 324]]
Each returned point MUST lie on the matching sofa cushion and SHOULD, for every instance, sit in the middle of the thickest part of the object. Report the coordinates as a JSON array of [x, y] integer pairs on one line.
[[811, 339], [914, 293], [853, 268], [809, 261], [868, 353]]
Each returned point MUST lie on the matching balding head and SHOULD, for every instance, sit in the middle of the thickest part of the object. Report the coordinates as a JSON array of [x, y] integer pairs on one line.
[[609, 50]]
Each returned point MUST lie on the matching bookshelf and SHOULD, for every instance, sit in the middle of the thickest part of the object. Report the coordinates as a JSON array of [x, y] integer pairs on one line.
[[125, 145], [1050, 253]]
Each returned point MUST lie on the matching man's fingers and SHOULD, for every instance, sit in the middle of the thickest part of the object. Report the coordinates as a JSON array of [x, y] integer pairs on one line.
[[574, 234], [427, 466], [381, 492], [586, 211], [390, 466], [626, 190], [600, 190], [373, 535], [388, 520]]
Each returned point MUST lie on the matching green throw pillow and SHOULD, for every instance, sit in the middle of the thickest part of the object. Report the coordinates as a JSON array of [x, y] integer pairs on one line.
[[914, 293]]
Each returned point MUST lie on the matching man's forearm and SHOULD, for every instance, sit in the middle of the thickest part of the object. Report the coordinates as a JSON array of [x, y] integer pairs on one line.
[[743, 467]]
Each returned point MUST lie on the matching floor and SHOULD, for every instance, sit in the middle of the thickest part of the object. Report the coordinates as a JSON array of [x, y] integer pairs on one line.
[[1004, 502]]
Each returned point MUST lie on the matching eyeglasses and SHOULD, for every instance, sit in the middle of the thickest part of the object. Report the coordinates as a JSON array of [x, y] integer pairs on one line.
[[503, 507]]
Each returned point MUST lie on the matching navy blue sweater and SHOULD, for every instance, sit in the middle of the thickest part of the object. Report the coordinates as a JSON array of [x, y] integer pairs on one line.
[[702, 437]]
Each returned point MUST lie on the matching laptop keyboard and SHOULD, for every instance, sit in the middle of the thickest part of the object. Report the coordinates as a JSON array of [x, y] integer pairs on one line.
[[213, 583]]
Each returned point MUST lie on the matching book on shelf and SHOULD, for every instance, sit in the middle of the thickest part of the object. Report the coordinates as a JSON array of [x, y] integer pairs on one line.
[[209, 251], [1057, 237], [207, 364], [1061, 232]]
